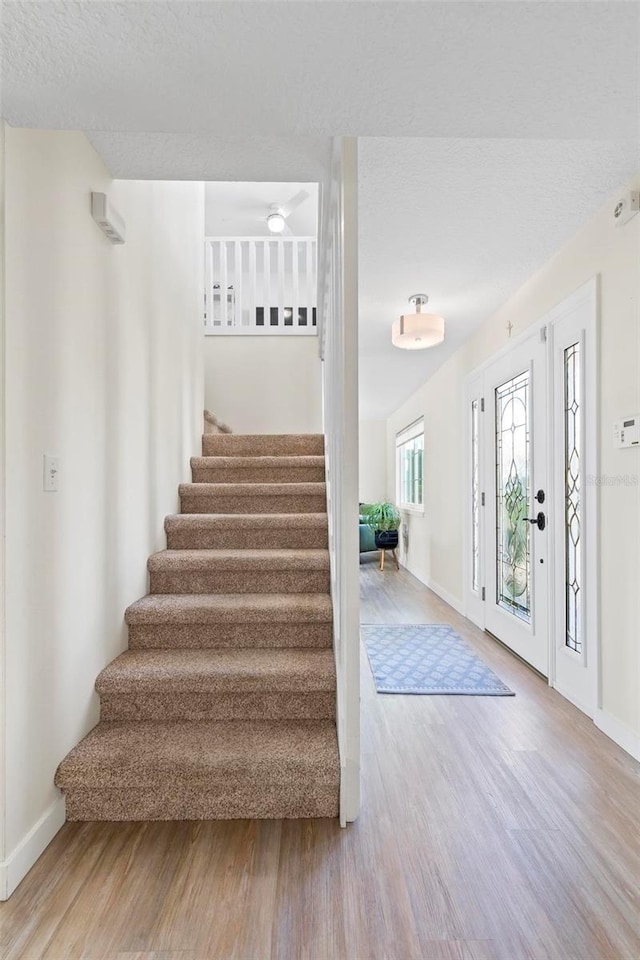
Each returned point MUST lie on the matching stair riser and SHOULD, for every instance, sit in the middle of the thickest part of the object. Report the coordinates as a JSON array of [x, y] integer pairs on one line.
[[257, 474], [281, 538], [179, 802], [259, 504], [236, 445], [240, 581], [218, 705], [198, 636]]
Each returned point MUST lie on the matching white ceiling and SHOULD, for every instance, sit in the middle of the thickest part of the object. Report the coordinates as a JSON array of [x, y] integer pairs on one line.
[[241, 209], [526, 115]]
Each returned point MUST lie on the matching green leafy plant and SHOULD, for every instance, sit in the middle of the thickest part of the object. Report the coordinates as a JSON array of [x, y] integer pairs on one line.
[[382, 516]]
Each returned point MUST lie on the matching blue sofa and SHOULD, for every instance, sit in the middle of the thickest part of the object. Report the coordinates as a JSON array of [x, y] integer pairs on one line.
[[367, 535]]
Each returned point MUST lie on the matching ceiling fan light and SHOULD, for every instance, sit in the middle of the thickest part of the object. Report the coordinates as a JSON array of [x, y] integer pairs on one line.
[[417, 331], [275, 222]]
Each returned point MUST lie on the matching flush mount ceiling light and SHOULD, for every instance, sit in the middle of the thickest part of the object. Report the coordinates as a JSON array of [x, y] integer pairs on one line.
[[417, 331], [276, 222]]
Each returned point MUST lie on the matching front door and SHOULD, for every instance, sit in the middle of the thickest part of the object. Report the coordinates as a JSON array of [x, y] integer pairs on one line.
[[516, 495]]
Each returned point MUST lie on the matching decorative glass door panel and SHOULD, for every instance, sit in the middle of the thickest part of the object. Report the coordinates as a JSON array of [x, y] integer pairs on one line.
[[515, 457], [475, 495], [575, 525], [513, 471], [572, 500]]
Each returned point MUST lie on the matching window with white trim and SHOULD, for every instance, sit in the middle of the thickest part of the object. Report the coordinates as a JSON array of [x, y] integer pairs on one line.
[[410, 466]]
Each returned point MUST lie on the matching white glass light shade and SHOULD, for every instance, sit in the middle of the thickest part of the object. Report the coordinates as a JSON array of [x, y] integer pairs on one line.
[[417, 331], [275, 222]]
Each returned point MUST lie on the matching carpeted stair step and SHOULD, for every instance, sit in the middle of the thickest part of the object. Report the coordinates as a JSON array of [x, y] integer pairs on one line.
[[200, 770], [165, 621], [210, 531], [257, 469], [263, 445], [239, 571], [281, 684], [253, 497]]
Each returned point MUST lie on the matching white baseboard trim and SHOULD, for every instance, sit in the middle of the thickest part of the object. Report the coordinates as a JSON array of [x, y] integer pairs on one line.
[[449, 598], [446, 596], [619, 732], [17, 865]]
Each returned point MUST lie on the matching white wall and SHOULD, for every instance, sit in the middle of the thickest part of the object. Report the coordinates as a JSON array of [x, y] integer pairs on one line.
[[104, 370], [435, 552], [264, 384], [373, 462], [3, 674]]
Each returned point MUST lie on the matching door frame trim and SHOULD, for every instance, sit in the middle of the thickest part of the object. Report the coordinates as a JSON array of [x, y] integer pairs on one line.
[[585, 295]]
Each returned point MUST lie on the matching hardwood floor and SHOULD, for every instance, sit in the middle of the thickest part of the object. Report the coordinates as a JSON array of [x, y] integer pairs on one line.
[[493, 828]]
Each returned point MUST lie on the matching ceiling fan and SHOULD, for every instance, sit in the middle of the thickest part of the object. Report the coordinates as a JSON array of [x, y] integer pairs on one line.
[[280, 213]]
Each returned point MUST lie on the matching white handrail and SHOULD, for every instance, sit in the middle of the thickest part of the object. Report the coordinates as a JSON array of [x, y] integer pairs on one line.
[[260, 285], [339, 352]]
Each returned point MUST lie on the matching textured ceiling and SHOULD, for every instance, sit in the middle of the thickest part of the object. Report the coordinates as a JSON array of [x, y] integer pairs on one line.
[[202, 156], [466, 222], [320, 69], [528, 114]]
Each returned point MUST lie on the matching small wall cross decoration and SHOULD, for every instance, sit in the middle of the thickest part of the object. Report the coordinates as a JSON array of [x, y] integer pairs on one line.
[[509, 328]]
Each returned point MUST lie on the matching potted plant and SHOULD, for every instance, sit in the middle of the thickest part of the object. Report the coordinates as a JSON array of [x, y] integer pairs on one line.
[[384, 520]]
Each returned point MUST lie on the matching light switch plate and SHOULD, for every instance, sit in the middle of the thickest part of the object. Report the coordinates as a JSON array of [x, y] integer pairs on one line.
[[50, 474]]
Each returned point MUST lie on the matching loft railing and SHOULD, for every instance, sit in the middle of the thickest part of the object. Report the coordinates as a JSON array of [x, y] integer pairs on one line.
[[260, 285]]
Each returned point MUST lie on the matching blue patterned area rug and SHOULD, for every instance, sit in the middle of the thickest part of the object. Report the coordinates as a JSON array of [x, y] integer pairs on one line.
[[427, 658]]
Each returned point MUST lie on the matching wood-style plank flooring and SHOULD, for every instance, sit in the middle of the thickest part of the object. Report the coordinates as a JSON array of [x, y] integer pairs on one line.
[[493, 828]]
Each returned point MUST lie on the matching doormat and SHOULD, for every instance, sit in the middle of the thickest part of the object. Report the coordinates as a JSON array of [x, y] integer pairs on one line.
[[427, 658]]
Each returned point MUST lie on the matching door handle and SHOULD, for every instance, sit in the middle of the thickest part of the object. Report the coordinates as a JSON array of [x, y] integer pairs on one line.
[[540, 521]]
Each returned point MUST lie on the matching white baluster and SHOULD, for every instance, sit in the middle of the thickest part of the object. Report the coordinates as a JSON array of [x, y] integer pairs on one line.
[[281, 303], [252, 283], [309, 277], [237, 282], [224, 283], [208, 268], [295, 266], [267, 283]]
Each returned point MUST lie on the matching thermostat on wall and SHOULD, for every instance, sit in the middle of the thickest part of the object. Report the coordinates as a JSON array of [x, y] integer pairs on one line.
[[626, 432]]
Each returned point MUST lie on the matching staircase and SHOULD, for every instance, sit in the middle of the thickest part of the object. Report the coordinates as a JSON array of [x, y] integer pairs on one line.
[[224, 704]]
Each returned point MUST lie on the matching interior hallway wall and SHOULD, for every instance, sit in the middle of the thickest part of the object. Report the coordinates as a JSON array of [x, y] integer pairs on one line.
[[264, 384], [435, 553], [373, 461], [104, 370]]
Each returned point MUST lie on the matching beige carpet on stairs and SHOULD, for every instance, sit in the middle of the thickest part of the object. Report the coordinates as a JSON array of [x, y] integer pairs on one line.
[[224, 704]]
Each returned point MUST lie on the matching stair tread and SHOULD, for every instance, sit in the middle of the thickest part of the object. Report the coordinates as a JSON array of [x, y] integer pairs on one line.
[[305, 488], [230, 608], [249, 520], [262, 440], [259, 460], [249, 559], [139, 754], [285, 670]]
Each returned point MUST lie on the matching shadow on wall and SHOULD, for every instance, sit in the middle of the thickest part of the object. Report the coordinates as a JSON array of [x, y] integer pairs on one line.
[[264, 384]]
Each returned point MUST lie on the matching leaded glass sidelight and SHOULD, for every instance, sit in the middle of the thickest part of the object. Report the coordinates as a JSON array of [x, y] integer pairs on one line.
[[572, 503], [475, 495], [513, 470]]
